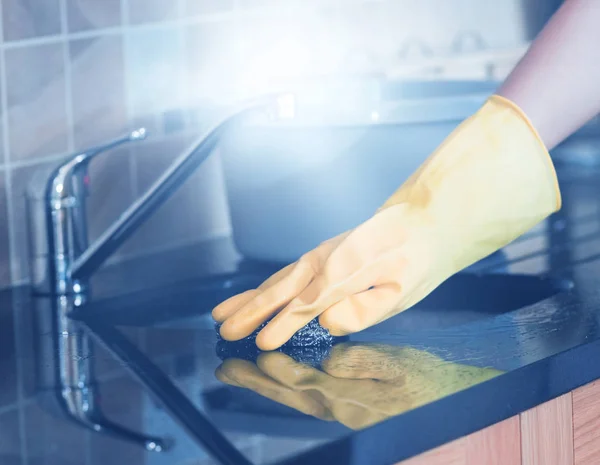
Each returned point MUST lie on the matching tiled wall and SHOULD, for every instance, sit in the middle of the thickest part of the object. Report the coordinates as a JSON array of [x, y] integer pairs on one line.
[[75, 73]]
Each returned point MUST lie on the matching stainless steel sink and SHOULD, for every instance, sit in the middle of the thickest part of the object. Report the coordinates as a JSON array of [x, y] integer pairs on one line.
[[468, 297], [462, 298]]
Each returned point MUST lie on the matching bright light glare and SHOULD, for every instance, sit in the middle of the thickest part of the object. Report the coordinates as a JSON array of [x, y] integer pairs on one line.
[[286, 106], [284, 60]]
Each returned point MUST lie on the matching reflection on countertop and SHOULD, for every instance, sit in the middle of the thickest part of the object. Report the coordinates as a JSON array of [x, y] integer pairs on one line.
[[357, 384], [518, 329]]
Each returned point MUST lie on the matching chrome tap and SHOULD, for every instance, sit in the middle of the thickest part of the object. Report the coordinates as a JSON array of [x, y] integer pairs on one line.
[[61, 259]]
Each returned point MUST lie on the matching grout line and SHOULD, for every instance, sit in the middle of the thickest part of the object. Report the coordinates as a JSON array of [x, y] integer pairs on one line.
[[4, 97], [10, 211], [15, 284], [188, 120], [28, 162], [68, 75], [10, 214], [12, 234], [95, 33], [124, 5], [133, 184], [87, 442], [9, 408], [133, 167], [17, 324], [181, 8], [13, 254], [34, 41]]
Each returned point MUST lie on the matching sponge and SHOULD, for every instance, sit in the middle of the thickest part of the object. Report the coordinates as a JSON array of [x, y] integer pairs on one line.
[[310, 345]]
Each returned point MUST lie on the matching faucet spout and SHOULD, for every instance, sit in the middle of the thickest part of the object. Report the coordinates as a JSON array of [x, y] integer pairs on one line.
[[60, 188], [162, 189], [62, 261]]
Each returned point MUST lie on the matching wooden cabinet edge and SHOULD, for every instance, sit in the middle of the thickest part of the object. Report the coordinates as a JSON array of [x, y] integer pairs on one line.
[[586, 424], [562, 431], [499, 444], [547, 433]]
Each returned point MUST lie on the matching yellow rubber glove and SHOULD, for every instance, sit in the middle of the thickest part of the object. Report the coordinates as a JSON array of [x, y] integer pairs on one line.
[[490, 181], [359, 385]]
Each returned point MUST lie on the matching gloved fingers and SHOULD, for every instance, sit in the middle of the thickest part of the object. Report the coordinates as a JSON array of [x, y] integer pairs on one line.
[[359, 311], [242, 314], [314, 259], [361, 299], [295, 315], [241, 373], [316, 298], [277, 276], [268, 302], [228, 307]]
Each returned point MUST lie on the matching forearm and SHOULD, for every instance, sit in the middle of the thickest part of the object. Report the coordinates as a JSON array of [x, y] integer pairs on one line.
[[557, 82]]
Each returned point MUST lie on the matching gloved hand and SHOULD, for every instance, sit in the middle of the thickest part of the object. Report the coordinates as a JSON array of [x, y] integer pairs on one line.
[[360, 385], [490, 181]]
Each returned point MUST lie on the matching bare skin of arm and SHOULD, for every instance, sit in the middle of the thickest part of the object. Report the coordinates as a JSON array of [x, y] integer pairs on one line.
[[557, 82]]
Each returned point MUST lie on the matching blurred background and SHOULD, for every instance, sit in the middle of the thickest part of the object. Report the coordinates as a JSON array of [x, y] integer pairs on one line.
[[75, 73]]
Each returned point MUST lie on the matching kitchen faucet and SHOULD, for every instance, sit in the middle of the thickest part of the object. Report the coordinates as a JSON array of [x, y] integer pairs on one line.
[[61, 259]]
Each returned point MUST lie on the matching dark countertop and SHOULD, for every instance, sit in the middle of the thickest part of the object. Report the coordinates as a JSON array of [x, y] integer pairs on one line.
[[518, 329]]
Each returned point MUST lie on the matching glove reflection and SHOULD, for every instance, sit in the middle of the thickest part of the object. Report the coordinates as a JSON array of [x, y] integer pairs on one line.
[[358, 385]]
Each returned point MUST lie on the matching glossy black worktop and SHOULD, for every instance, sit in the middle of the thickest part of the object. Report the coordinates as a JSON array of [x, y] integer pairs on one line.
[[518, 329]]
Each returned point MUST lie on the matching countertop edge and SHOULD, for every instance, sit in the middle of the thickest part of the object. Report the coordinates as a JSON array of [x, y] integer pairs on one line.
[[503, 397]]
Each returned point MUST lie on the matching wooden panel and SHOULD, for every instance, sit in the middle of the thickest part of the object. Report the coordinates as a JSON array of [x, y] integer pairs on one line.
[[586, 424], [499, 444], [452, 453], [547, 433]]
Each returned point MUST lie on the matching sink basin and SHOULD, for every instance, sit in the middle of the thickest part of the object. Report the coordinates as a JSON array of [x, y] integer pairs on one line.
[[174, 302], [462, 298], [467, 297], [491, 293], [277, 173]]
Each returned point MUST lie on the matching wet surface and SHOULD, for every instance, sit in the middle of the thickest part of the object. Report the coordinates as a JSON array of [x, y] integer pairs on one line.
[[141, 377]]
